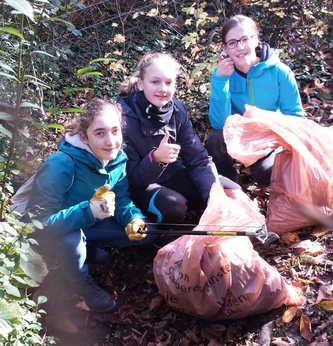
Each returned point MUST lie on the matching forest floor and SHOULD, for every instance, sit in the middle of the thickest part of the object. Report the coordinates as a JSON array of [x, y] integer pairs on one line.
[[303, 258]]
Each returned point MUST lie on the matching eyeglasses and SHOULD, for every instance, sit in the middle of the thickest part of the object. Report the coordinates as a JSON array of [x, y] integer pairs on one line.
[[232, 44]]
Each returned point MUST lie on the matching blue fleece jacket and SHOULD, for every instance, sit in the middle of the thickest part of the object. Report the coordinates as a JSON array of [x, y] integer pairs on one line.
[[66, 182], [269, 85]]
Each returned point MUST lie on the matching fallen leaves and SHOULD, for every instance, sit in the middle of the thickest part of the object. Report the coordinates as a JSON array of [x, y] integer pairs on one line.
[[305, 328]]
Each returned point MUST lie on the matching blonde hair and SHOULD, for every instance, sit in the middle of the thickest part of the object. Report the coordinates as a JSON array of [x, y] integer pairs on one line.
[[92, 109], [130, 85]]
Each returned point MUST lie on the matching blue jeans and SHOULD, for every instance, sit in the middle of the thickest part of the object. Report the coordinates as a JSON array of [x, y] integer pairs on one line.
[[70, 249]]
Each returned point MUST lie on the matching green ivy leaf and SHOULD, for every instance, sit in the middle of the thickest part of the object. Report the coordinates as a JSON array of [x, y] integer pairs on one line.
[[12, 290], [33, 266]]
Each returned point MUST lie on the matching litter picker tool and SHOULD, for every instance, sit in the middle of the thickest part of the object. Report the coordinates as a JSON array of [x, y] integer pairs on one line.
[[263, 236]]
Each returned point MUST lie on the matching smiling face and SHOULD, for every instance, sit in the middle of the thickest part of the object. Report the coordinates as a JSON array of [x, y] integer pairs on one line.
[[244, 57], [159, 81], [104, 136]]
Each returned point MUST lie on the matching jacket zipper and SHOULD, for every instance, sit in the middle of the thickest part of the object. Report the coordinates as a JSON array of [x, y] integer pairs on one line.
[[251, 91]]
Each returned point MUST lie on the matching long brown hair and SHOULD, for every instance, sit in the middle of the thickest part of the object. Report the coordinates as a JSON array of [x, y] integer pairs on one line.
[[92, 109]]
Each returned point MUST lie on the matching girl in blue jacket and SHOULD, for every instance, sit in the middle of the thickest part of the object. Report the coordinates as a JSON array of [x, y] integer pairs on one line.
[[169, 170], [90, 161], [252, 74]]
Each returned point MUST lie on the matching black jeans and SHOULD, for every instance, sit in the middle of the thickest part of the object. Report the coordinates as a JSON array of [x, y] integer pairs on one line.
[[169, 202], [261, 170]]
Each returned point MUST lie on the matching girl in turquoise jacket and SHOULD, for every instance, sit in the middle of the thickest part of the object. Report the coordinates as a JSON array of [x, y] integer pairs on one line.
[[252, 74], [81, 196]]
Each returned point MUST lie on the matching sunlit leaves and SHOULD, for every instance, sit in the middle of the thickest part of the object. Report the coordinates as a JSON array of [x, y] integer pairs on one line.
[[12, 31], [86, 71], [119, 38], [21, 6]]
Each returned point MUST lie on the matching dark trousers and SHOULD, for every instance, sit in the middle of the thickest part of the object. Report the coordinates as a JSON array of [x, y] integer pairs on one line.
[[261, 170], [169, 202]]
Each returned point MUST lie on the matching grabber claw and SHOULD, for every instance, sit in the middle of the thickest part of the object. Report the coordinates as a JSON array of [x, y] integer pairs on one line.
[[263, 236]]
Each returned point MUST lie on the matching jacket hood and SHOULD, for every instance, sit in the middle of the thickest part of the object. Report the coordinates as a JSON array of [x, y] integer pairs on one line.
[[76, 149], [265, 52], [257, 70]]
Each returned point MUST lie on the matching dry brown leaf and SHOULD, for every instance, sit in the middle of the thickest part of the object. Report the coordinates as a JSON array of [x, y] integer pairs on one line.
[[319, 231], [30, 166], [281, 341], [305, 328], [302, 282], [324, 293], [309, 247], [82, 305], [61, 323], [327, 304], [290, 238], [289, 314], [156, 302]]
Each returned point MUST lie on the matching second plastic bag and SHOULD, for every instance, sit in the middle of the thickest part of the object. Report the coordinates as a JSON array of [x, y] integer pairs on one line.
[[302, 174]]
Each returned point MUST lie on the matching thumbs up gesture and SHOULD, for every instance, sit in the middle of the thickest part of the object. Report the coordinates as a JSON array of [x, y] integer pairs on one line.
[[102, 203], [166, 152]]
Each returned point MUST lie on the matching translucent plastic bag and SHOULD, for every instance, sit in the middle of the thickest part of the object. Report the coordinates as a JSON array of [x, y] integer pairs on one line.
[[218, 278], [302, 173]]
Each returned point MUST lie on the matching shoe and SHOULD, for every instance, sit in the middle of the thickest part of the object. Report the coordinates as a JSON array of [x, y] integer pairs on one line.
[[163, 240], [96, 255], [95, 297]]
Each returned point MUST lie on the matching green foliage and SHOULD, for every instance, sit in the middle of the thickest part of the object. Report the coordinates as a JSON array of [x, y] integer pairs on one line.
[[20, 269]]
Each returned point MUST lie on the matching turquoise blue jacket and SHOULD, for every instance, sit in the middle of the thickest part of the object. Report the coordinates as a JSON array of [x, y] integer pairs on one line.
[[269, 85], [66, 182]]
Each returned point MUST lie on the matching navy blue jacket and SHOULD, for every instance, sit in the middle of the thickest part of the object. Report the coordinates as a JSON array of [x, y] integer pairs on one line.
[[141, 137]]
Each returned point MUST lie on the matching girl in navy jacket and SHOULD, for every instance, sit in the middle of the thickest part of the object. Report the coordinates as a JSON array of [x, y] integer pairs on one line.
[[169, 170]]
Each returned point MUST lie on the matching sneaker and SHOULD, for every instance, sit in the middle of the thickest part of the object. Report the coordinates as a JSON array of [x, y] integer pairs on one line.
[[96, 255], [95, 297]]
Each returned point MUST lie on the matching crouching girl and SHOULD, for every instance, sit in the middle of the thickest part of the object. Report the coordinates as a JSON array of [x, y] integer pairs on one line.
[[81, 195]]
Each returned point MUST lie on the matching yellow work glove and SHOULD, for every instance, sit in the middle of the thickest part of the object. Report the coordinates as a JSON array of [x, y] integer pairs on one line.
[[102, 203], [132, 229]]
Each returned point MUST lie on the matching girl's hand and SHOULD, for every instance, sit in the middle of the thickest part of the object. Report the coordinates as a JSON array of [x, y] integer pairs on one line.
[[102, 203], [166, 152], [225, 67], [133, 228]]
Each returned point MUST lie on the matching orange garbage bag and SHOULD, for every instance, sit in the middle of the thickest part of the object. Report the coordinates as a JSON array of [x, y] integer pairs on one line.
[[219, 278], [302, 174]]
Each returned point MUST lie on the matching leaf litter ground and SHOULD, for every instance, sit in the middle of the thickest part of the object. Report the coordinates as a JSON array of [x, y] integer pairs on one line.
[[142, 317]]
